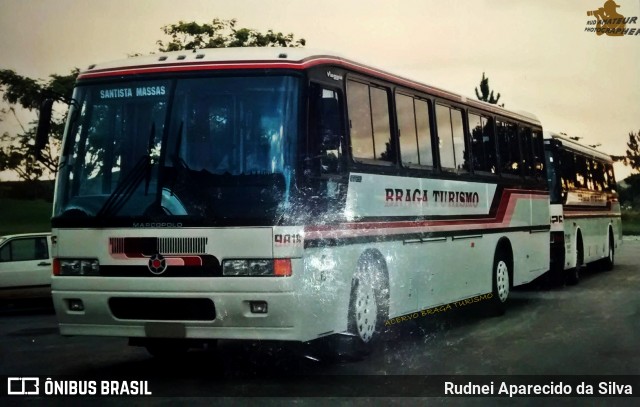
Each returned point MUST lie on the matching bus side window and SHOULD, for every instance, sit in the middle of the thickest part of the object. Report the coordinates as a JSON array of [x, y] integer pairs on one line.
[[477, 145], [445, 137], [370, 128], [453, 154], [414, 129], [610, 178], [597, 173], [460, 150], [538, 154], [423, 124], [527, 151], [509, 148], [568, 170], [406, 114], [581, 172], [483, 143]]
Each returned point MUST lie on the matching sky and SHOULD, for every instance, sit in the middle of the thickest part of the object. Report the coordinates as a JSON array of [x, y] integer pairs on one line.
[[537, 54]]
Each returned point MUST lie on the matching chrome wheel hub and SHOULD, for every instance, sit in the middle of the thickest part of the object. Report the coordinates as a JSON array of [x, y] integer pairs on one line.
[[502, 280], [366, 311]]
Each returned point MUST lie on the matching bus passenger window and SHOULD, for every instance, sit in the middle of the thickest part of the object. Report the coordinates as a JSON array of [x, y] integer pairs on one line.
[[509, 148], [597, 174], [581, 172], [369, 123], [360, 120], [538, 154], [459, 148], [405, 112], [527, 151], [445, 137], [483, 143], [381, 129], [477, 147], [610, 179], [423, 120], [415, 131], [451, 139], [567, 170]]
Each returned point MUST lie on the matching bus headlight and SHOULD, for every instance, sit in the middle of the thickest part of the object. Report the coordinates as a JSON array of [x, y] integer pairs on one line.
[[257, 267], [79, 267]]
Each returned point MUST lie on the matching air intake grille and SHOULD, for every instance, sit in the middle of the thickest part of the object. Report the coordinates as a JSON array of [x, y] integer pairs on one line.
[[164, 245], [182, 245], [163, 309]]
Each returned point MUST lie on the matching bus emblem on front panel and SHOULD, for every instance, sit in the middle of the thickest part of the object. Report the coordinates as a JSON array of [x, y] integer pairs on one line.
[[157, 264]]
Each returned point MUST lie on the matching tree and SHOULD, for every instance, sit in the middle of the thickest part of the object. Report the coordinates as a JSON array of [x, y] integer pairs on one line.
[[485, 94], [17, 150], [221, 34], [632, 158]]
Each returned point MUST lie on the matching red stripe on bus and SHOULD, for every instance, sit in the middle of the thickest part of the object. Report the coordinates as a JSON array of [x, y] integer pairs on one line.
[[503, 217], [297, 65]]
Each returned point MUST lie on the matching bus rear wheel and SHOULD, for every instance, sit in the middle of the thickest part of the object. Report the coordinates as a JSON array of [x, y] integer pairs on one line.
[[608, 262], [573, 275], [501, 282]]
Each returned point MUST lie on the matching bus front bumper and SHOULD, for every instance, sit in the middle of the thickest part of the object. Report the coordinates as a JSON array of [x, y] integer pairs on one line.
[[256, 315]]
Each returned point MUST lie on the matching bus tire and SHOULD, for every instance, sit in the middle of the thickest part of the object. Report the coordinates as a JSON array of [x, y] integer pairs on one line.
[[608, 262], [501, 277], [573, 275], [367, 305]]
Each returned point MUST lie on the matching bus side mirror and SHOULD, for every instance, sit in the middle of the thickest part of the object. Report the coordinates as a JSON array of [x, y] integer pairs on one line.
[[44, 126], [330, 140]]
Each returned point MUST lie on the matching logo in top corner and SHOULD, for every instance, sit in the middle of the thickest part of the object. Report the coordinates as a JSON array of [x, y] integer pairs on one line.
[[610, 22], [157, 264]]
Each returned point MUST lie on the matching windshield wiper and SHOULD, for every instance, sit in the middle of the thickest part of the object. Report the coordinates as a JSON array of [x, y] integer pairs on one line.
[[124, 190], [175, 157]]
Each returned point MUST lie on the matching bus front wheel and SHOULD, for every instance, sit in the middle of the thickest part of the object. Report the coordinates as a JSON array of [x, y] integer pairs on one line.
[[367, 308]]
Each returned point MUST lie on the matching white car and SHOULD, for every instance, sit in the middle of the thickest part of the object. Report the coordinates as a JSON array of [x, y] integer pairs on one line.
[[25, 265]]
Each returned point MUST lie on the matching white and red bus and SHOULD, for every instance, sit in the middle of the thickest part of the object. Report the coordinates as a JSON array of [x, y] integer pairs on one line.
[[282, 194], [585, 212]]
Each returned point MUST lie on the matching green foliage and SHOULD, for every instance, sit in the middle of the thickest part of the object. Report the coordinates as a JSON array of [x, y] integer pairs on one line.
[[221, 34], [630, 195], [632, 158], [24, 216], [30, 93], [485, 94], [17, 150], [630, 222]]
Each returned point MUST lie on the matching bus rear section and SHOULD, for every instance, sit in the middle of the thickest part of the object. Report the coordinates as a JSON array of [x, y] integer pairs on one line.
[[584, 213]]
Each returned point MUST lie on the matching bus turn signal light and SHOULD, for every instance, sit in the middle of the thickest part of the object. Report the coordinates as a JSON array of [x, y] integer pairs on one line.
[[282, 267]]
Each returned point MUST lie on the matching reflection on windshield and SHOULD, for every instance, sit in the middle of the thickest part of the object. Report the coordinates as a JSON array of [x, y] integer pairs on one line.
[[225, 150]]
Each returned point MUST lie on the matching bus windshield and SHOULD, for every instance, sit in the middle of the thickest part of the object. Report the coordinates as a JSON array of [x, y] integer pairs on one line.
[[214, 149]]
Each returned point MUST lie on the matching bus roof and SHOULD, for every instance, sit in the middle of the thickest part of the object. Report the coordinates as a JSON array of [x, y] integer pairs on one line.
[[273, 58], [575, 146]]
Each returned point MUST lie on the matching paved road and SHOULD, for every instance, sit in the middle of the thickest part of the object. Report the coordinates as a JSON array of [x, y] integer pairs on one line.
[[592, 328]]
